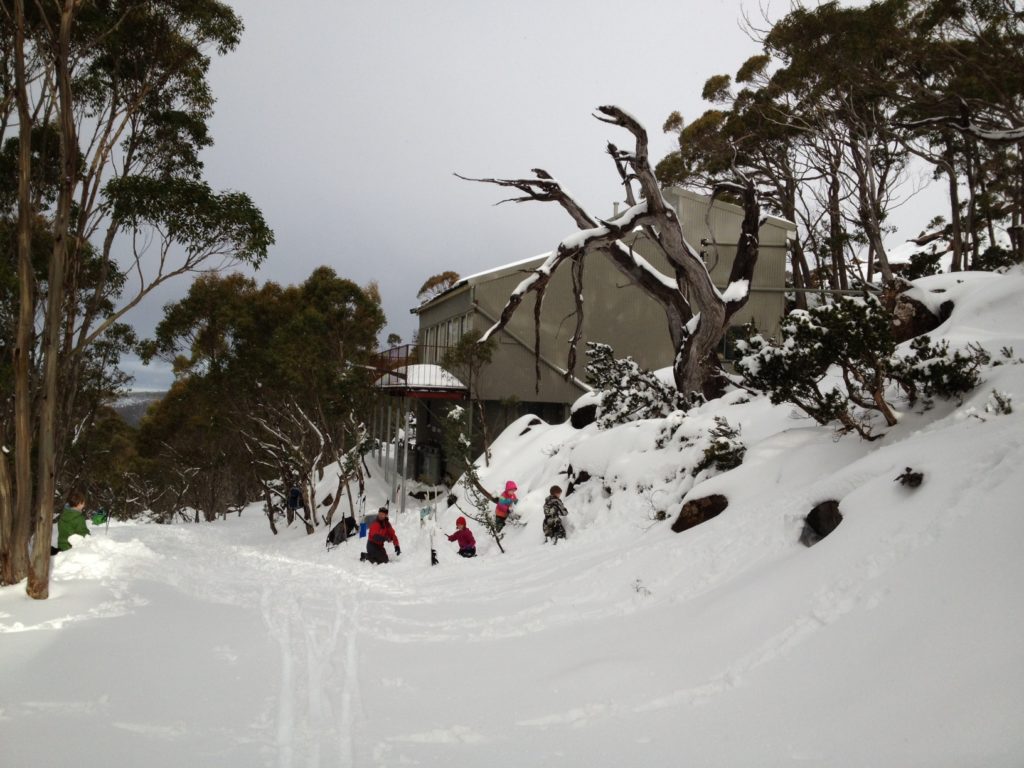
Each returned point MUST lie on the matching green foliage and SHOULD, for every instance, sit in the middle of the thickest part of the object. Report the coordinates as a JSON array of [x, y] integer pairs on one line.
[[922, 264], [996, 259], [932, 372], [628, 392], [189, 214], [752, 68], [725, 451], [716, 89], [458, 449], [296, 359], [435, 285], [837, 363]]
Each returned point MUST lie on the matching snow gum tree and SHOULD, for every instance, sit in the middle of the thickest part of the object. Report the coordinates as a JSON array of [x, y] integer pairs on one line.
[[273, 383], [696, 312], [103, 111]]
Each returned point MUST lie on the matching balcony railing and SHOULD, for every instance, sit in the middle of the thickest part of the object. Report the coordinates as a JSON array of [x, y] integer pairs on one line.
[[416, 368]]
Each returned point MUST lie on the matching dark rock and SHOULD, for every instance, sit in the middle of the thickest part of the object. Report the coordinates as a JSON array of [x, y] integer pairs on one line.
[[911, 318], [584, 416], [945, 310], [699, 511], [581, 477], [822, 520], [530, 425]]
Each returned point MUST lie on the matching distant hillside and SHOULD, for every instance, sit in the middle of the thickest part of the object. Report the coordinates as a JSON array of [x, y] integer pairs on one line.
[[133, 406]]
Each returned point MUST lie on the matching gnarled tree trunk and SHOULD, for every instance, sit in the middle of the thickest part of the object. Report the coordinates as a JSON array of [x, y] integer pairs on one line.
[[695, 329]]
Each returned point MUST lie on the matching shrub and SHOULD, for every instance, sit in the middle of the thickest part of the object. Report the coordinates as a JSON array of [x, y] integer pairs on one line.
[[725, 450], [628, 392], [852, 340]]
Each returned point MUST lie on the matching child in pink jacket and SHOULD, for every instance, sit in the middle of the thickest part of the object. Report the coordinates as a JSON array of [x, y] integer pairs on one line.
[[506, 502]]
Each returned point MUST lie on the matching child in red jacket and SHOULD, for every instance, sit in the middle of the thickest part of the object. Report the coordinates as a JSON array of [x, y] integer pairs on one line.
[[465, 538]]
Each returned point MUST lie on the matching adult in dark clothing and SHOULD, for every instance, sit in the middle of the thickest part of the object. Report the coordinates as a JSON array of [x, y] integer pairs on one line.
[[465, 538], [554, 511], [296, 500], [71, 521], [380, 533]]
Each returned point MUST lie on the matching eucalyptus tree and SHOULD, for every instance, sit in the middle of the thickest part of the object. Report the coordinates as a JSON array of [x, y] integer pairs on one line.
[[114, 95], [961, 92], [279, 379], [746, 130]]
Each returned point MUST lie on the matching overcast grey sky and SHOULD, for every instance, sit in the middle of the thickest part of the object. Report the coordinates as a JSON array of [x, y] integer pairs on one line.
[[345, 121]]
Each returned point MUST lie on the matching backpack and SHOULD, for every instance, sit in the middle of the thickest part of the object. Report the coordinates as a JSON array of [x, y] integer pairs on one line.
[[341, 532]]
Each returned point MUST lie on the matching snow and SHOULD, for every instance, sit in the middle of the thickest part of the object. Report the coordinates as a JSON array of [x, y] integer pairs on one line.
[[737, 291], [421, 375], [895, 641]]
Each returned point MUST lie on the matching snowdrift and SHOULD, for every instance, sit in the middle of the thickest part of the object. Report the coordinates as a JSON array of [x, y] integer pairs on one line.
[[895, 641]]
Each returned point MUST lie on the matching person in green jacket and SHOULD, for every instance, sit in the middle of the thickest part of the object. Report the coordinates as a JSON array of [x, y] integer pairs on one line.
[[71, 520]]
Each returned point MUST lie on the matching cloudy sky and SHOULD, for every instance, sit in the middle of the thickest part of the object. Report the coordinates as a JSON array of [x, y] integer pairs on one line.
[[346, 120]]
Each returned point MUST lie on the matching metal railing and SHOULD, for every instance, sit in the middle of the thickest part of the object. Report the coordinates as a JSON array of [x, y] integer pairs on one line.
[[417, 366]]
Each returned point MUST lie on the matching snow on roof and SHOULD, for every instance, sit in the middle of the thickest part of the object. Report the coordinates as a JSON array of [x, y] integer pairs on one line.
[[523, 264], [420, 376]]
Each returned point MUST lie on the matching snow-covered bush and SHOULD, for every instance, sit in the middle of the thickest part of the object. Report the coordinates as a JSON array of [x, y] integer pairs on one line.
[[725, 451], [995, 259], [931, 371], [852, 340], [923, 264], [628, 392]]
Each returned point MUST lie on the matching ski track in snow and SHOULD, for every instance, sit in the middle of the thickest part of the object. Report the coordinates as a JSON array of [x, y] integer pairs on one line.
[[311, 613]]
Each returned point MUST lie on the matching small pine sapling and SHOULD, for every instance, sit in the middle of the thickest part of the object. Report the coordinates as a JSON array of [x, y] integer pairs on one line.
[[457, 447], [1001, 403], [725, 451], [910, 478]]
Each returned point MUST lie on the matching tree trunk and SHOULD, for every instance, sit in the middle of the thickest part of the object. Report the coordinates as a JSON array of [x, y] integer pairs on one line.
[[837, 276], [954, 209], [39, 566], [15, 547]]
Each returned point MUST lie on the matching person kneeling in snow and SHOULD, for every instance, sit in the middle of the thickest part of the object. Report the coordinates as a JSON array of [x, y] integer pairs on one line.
[[554, 511], [380, 532], [71, 521], [465, 538]]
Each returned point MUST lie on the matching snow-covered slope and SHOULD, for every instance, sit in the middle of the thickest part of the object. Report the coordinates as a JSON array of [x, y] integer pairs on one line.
[[896, 641]]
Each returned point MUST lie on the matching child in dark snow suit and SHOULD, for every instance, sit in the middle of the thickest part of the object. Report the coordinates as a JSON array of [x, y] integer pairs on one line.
[[71, 521], [554, 511], [465, 538], [506, 502], [380, 533]]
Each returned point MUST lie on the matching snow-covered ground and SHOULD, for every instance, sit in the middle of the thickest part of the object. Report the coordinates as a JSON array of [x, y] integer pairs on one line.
[[896, 641]]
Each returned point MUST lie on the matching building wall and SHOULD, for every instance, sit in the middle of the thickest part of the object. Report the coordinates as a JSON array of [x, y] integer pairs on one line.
[[616, 312]]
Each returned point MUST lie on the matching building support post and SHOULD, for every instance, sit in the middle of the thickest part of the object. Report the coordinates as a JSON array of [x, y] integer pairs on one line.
[[386, 445], [405, 452]]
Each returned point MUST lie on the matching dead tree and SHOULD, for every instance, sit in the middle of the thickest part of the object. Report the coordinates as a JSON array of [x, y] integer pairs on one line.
[[696, 328]]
